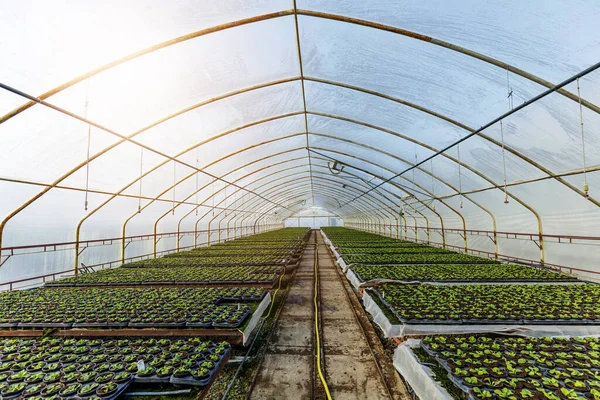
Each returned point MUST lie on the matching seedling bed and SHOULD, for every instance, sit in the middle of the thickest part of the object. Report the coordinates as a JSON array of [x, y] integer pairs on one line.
[[492, 304], [103, 367], [207, 262], [459, 273], [360, 250], [493, 367], [451, 258], [122, 307], [181, 276]]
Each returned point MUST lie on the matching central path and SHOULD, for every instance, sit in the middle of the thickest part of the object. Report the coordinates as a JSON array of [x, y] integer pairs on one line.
[[289, 368]]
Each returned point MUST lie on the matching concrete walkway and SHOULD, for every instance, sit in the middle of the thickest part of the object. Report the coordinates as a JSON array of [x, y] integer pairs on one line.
[[288, 370]]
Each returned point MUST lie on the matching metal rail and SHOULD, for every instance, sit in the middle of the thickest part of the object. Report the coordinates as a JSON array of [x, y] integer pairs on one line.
[[51, 247]]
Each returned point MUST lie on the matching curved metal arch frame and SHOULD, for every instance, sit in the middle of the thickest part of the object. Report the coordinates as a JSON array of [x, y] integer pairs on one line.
[[123, 230], [318, 189], [340, 182], [294, 149], [322, 114], [331, 191], [458, 162], [258, 204], [371, 209], [465, 127], [402, 188], [308, 13], [427, 173], [307, 192], [365, 213], [273, 140], [252, 124], [238, 216], [315, 14], [325, 191], [318, 175], [393, 194], [229, 155], [319, 114], [281, 186]]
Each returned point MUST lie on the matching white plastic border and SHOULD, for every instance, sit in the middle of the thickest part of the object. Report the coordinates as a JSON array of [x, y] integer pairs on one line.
[[354, 281], [418, 376], [389, 330], [262, 307]]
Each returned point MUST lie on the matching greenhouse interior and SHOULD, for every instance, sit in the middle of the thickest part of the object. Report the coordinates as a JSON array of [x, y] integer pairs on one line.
[[300, 199]]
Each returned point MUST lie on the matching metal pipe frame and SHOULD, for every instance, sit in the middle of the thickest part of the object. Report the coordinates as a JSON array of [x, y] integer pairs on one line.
[[325, 174], [295, 13], [339, 182], [262, 177], [206, 185], [322, 189], [392, 195], [340, 18]]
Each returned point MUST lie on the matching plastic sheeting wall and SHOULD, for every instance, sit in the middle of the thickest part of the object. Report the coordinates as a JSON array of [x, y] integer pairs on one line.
[[218, 86]]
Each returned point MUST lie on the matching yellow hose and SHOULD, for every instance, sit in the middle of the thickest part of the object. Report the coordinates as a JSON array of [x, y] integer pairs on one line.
[[317, 325], [274, 295]]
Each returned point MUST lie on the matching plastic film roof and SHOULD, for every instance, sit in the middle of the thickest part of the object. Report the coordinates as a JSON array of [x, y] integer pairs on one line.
[[246, 105]]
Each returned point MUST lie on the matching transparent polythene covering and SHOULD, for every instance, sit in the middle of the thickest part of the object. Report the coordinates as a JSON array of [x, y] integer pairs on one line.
[[246, 106]]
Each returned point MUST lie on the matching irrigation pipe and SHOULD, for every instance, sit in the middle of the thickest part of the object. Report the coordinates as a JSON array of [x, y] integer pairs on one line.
[[316, 272]]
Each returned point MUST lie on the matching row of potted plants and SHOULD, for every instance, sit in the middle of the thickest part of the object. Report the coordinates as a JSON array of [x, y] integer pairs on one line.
[[444, 258], [178, 276], [458, 273], [476, 304], [120, 307], [201, 261], [494, 367], [60, 368], [359, 248]]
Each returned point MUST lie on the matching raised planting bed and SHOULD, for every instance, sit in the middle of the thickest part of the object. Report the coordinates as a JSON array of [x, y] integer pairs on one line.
[[459, 273], [177, 276], [491, 367], [391, 250], [200, 261], [492, 304], [220, 250], [381, 245], [107, 308], [445, 258], [84, 367]]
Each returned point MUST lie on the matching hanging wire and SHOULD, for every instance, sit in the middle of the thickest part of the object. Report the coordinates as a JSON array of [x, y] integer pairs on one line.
[[213, 198], [509, 90], [141, 171], [89, 141], [586, 188], [197, 173], [432, 184], [459, 177], [225, 201], [174, 182], [503, 162], [413, 171], [235, 203]]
